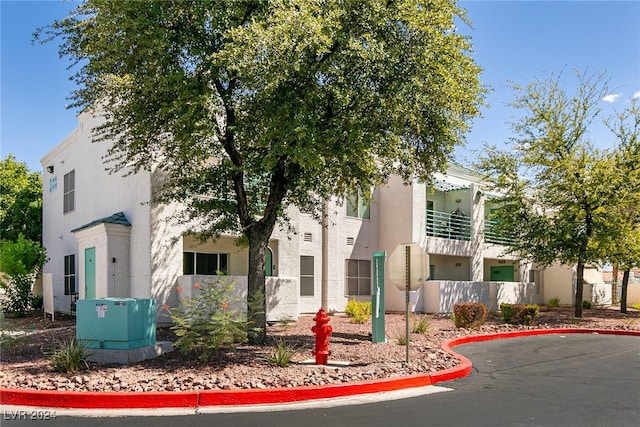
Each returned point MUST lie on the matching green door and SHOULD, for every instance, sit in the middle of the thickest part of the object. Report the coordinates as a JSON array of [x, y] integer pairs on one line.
[[90, 273], [268, 263], [503, 273]]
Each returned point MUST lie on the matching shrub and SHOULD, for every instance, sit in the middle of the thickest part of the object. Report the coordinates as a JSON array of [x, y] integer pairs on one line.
[[207, 322], [401, 340], [519, 314], [553, 302], [20, 262], [420, 324], [13, 341], [17, 294], [281, 354], [70, 356], [36, 302], [586, 304], [469, 314], [358, 311]]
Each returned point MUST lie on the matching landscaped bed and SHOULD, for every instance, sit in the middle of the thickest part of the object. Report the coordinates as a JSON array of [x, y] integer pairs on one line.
[[26, 360]]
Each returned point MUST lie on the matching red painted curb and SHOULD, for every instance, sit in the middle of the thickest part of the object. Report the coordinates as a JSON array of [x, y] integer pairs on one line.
[[98, 400], [194, 399], [297, 394]]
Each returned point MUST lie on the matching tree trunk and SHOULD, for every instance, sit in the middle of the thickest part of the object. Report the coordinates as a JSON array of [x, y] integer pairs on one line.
[[579, 289], [625, 285], [614, 284], [256, 295]]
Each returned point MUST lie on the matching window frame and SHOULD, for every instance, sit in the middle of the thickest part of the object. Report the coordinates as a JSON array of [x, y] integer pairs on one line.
[[194, 256], [70, 276], [307, 277], [69, 192], [356, 207], [363, 274]]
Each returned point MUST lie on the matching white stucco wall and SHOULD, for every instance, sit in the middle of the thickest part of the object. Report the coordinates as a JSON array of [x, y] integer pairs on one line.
[[112, 259], [97, 195]]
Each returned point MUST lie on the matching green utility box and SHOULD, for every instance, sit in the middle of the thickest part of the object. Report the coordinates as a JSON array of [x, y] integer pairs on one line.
[[116, 323]]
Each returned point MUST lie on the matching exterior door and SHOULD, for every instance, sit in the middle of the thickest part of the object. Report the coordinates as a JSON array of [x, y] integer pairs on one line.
[[90, 273], [503, 273], [268, 263]]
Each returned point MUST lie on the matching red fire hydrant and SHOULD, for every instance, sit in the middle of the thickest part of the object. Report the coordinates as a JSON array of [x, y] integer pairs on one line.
[[323, 333]]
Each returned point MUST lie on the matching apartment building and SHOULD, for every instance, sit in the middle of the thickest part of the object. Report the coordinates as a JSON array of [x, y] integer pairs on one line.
[[106, 238]]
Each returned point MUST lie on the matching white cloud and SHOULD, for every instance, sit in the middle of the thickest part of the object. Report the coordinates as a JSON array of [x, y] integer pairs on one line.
[[612, 97], [636, 95]]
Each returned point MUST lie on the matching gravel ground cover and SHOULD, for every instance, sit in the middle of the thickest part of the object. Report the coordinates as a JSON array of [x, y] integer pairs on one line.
[[25, 362]]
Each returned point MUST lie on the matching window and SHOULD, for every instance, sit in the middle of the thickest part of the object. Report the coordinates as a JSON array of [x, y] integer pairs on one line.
[[69, 199], [204, 263], [307, 281], [69, 274], [358, 207], [358, 279]]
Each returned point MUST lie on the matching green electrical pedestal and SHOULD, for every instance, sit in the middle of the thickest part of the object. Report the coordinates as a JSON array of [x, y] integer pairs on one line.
[[119, 330], [377, 299], [116, 323]]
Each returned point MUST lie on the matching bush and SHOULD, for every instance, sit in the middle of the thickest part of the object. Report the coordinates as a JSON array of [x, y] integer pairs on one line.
[[553, 302], [420, 324], [20, 262], [13, 341], [70, 356], [586, 304], [17, 297], [206, 323], [281, 354], [37, 301], [358, 311], [519, 314], [469, 314]]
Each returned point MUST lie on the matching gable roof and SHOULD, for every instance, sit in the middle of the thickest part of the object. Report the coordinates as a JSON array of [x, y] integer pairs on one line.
[[117, 218]]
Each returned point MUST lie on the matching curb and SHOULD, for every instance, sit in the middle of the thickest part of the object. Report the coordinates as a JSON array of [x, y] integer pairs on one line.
[[209, 398]]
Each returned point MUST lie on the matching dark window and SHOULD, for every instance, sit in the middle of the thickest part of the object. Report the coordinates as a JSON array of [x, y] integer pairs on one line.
[[307, 280], [204, 263], [69, 274], [358, 277], [69, 199], [188, 263]]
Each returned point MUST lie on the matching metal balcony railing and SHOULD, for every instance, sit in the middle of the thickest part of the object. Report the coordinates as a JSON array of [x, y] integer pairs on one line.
[[454, 225], [492, 236]]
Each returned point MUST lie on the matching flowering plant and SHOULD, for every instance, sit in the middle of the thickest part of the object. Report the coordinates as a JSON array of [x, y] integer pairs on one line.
[[207, 322]]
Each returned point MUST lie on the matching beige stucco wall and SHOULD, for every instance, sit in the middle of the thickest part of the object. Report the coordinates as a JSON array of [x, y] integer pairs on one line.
[[558, 282]]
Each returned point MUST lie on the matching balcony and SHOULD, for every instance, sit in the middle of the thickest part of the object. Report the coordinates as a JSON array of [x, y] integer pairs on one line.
[[455, 225], [491, 235]]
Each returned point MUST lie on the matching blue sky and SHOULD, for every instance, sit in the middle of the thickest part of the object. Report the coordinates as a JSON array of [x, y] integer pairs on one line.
[[513, 41]]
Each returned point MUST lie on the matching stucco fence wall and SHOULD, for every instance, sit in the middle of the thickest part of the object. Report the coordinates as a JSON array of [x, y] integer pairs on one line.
[[282, 293], [439, 296]]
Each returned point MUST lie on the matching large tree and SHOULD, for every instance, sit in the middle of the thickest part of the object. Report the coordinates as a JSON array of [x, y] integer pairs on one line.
[[250, 107], [621, 242], [20, 201], [557, 186]]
